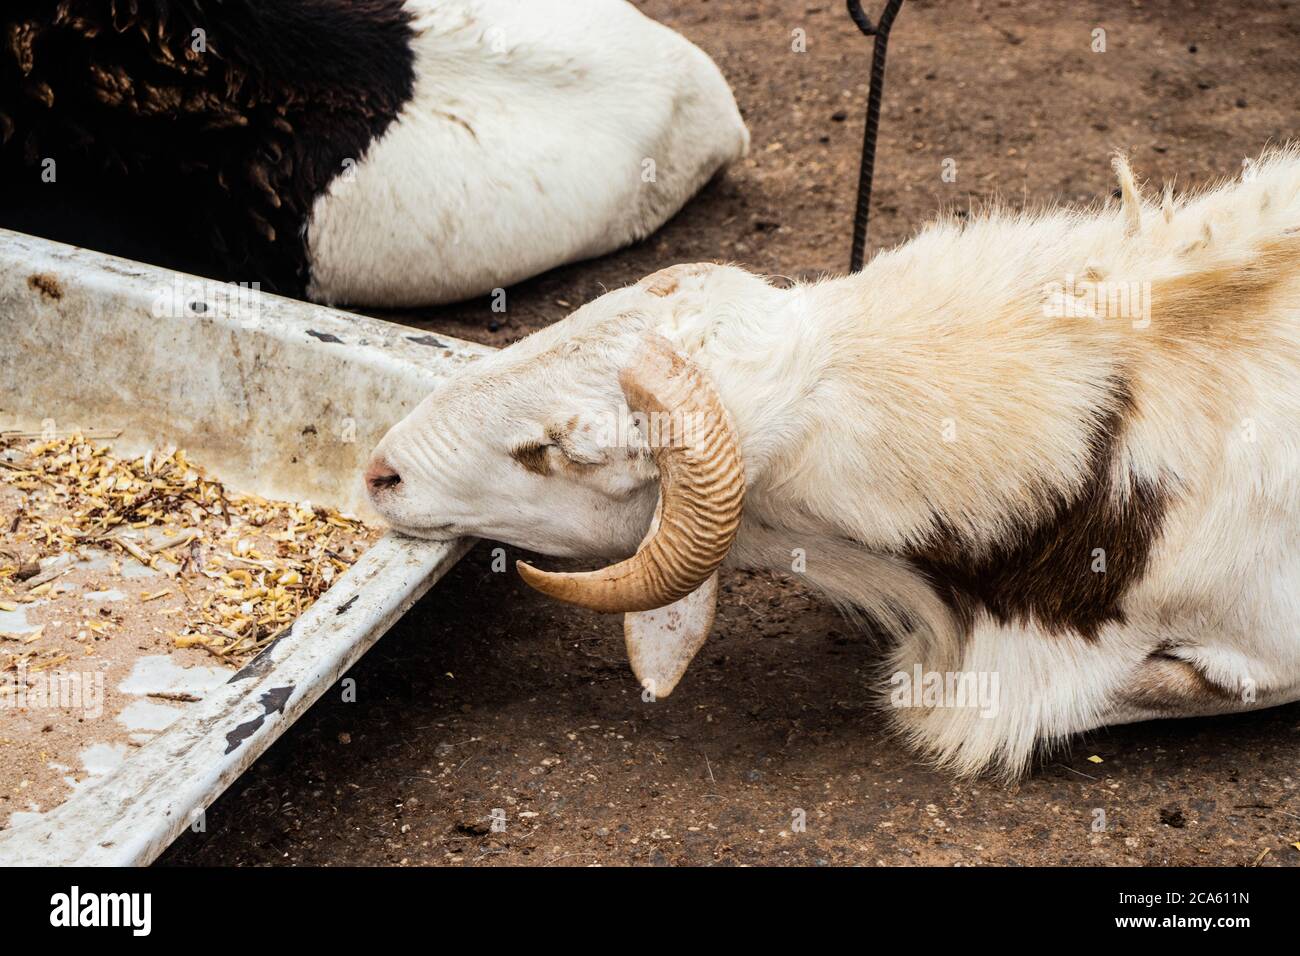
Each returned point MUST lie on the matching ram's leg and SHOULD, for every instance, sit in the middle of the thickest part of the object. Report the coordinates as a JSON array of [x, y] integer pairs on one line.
[[1165, 685], [1008, 693]]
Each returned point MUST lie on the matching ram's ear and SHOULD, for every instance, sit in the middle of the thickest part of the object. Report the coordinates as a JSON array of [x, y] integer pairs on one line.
[[661, 643]]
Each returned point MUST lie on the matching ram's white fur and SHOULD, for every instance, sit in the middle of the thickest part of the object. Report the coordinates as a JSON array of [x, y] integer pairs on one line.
[[529, 142], [954, 389]]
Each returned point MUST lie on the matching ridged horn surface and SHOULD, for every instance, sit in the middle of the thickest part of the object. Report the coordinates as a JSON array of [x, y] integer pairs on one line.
[[701, 487]]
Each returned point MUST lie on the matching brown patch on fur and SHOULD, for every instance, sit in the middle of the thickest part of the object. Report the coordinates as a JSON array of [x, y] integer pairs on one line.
[[558, 433], [1169, 685], [1044, 572], [665, 281], [47, 285], [1226, 306], [1206, 235], [532, 455], [660, 283], [452, 117]]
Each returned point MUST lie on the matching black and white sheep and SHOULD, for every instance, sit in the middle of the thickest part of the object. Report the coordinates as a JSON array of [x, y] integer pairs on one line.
[[380, 152]]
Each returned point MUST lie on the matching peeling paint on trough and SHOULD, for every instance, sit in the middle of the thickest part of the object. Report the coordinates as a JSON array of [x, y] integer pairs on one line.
[[234, 387], [273, 702], [260, 664], [428, 340]]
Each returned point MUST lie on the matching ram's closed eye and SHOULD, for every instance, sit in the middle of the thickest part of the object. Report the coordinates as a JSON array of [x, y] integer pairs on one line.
[[575, 442]]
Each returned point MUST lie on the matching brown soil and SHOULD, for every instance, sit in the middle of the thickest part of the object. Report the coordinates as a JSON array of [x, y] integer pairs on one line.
[[487, 697]]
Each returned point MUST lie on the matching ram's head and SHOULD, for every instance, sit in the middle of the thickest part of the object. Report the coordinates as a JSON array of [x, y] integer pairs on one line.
[[593, 438]]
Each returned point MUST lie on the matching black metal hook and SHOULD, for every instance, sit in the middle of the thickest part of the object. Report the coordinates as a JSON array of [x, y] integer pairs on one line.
[[881, 32]]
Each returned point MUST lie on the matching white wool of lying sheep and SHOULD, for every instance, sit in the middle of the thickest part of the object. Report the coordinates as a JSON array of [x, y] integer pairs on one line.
[[538, 134], [388, 153], [1055, 449]]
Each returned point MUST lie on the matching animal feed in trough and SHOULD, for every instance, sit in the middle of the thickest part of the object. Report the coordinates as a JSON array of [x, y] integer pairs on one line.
[[122, 581], [181, 571]]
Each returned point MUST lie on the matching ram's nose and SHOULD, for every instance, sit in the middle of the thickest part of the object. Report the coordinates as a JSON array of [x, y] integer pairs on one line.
[[381, 476]]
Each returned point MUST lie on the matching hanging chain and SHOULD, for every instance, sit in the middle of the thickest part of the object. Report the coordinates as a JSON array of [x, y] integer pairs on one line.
[[881, 33]]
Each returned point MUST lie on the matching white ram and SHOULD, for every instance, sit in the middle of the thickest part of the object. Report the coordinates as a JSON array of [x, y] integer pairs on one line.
[[1057, 449]]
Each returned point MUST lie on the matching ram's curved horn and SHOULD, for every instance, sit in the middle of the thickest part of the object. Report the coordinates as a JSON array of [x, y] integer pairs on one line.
[[701, 488]]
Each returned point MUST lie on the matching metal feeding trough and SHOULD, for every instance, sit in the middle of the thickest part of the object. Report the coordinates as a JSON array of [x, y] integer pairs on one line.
[[280, 399]]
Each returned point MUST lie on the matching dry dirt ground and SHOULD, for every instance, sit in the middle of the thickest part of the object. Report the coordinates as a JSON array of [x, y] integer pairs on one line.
[[489, 700]]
